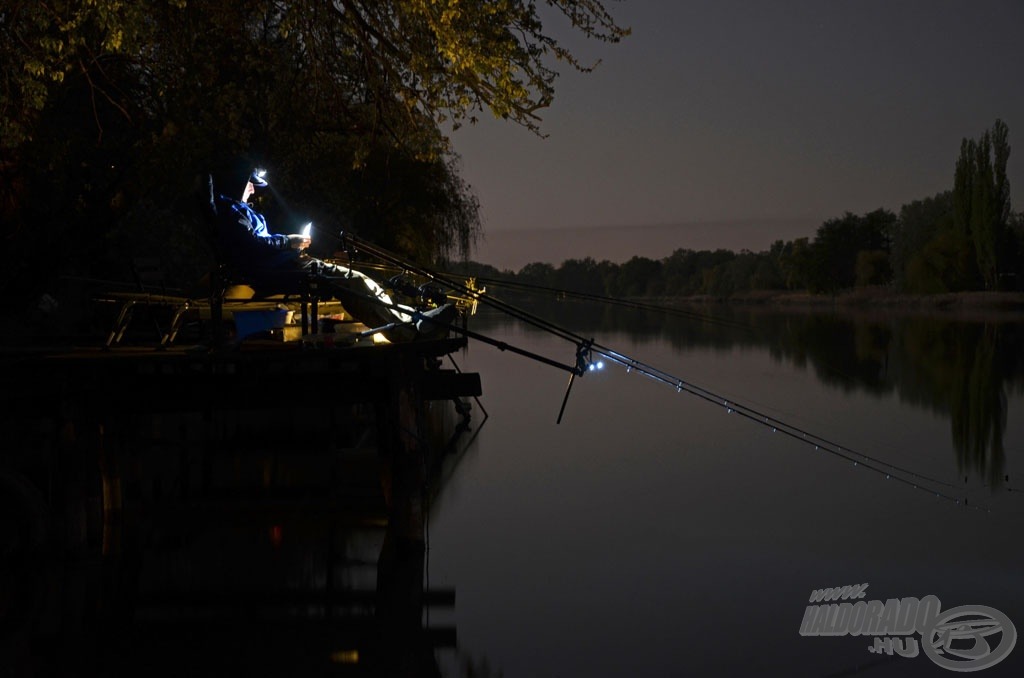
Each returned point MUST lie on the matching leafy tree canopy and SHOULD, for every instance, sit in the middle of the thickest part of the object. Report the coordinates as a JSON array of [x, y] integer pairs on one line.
[[443, 59]]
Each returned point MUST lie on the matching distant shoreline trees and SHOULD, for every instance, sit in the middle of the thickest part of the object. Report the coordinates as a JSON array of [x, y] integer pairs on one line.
[[965, 238]]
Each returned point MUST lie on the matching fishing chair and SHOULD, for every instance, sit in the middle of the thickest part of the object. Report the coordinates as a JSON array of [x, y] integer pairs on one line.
[[228, 292]]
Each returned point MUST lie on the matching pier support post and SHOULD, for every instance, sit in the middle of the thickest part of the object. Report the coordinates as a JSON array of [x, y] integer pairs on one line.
[[402, 644]]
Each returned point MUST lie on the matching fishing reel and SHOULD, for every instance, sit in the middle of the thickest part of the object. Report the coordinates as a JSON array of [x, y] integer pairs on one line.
[[432, 295], [426, 294], [400, 285]]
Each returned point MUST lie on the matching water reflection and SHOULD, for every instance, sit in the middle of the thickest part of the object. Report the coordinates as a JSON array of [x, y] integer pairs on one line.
[[205, 545], [978, 403], [961, 369]]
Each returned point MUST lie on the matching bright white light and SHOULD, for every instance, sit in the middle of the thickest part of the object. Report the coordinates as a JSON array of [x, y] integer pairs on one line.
[[262, 173], [590, 367], [600, 364], [307, 230]]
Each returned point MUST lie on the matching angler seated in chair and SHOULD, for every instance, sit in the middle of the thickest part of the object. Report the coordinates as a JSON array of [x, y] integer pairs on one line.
[[278, 263]]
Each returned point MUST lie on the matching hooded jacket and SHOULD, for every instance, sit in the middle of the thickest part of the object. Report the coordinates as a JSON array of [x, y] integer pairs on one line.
[[245, 242]]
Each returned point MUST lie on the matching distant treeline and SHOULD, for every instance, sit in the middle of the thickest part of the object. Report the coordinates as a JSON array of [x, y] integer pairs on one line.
[[965, 238]]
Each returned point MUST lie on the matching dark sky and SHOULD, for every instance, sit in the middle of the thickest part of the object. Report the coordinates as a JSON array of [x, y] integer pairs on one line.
[[721, 123]]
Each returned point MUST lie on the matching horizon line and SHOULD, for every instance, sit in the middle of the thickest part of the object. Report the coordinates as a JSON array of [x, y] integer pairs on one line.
[[661, 224]]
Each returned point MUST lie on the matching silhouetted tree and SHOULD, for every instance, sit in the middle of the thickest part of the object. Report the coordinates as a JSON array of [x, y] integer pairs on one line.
[[872, 268], [981, 201], [838, 242], [797, 264], [538, 273], [639, 277], [919, 222], [580, 275]]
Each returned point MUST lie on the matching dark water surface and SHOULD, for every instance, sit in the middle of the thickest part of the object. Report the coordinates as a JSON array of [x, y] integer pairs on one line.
[[652, 533]]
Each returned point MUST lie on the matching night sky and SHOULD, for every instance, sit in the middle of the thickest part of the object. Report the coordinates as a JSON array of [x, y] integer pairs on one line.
[[732, 124]]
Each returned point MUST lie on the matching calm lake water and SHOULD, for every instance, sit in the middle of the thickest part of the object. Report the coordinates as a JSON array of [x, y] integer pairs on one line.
[[653, 533]]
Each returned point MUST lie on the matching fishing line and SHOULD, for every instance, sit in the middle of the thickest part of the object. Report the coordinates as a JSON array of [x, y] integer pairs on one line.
[[450, 280], [778, 426], [594, 297], [615, 301], [514, 311], [757, 415], [680, 384], [586, 347], [597, 298]]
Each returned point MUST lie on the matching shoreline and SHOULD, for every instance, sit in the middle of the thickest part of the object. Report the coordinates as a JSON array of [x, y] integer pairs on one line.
[[879, 300]]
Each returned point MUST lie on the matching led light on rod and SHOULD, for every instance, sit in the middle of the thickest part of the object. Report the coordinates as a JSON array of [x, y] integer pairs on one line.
[[307, 230]]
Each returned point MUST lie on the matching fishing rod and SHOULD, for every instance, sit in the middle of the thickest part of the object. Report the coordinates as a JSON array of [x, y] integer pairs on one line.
[[587, 348], [518, 313], [628, 303], [573, 294], [402, 267], [776, 425], [614, 301], [350, 241]]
